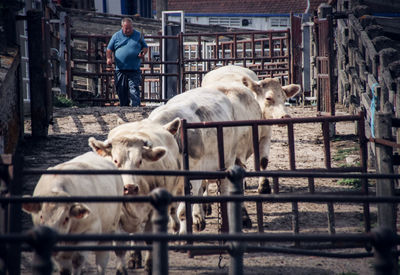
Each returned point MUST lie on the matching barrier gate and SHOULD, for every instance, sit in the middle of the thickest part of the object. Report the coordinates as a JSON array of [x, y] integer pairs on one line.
[[267, 53]]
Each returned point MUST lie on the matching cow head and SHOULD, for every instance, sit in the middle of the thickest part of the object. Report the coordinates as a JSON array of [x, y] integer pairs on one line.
[[58, 216], [271, 96], [135, 150]]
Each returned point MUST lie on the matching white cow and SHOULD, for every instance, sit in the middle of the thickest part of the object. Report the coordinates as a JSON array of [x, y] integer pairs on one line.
[[269, 94], [143, 145], [198, 105], [79, 218]]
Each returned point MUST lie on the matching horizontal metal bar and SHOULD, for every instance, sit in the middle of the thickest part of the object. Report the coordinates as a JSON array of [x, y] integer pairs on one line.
[[218, 174], [274, 121], [250, 237], [209, 248], [282, 198]]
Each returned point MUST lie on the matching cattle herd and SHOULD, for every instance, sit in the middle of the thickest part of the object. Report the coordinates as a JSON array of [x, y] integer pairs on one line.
[[227, 94]]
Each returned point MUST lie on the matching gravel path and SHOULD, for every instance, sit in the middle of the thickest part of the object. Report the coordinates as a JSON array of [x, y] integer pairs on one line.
[[68, 138]]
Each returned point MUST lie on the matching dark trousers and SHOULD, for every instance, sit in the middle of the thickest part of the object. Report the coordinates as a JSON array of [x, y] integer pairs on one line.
[[127, 84]]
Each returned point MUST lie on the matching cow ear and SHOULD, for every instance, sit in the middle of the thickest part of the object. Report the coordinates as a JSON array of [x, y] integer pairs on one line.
[[101, 148], [173, 126], [79, 211], [291, 90], [251, 84], [31, 207], [153, 154], [120, 121]]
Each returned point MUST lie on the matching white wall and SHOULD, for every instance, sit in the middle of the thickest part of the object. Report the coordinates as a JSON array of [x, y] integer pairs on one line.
[[255, 23], [112, 6]]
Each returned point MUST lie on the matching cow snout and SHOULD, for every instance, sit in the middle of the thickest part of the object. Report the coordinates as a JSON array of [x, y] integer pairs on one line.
[[284, 116], [131, 189]]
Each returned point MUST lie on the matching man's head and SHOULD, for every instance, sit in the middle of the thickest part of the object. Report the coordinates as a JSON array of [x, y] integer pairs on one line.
[[127, 26]]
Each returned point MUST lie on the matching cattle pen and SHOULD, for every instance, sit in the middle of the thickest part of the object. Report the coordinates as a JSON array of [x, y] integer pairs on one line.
[[334, 207], [299, 239]]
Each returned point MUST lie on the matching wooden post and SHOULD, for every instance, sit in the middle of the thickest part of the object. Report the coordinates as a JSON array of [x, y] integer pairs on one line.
[[37, 74], [385, 187]]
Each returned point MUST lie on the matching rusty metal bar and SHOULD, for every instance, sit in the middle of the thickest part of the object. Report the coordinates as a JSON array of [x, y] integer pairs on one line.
[[292, 157], [311, 185], [185, 166], [331, 218], [295, 221], [275, 185], [327, 147], [221, 164]]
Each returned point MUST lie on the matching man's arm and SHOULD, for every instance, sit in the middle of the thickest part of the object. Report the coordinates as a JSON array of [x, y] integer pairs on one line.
[[109, 57], [143, 52]]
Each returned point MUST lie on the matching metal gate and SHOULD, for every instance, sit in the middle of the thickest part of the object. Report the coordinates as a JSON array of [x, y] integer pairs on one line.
[[267, 53], [323, 33]]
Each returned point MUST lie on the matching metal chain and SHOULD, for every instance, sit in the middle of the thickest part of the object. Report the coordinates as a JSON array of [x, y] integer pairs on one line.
[[219, 214]]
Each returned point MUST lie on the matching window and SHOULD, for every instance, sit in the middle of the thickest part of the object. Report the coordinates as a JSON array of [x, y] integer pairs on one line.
[[279, 22], [225, 21]]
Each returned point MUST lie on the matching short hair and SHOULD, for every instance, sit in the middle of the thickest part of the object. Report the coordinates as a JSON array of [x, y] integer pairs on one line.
[[126, 20]]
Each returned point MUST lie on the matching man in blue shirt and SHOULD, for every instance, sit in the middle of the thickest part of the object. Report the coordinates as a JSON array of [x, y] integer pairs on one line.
[[128, 47]]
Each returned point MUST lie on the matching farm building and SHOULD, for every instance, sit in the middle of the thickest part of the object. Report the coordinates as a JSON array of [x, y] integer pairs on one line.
[[333, 171]]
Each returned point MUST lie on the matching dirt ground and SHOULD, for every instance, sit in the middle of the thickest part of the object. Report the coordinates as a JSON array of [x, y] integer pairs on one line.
[[72, 127]]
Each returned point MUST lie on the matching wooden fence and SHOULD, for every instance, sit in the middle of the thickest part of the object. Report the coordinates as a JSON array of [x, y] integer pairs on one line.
[[368, 71]]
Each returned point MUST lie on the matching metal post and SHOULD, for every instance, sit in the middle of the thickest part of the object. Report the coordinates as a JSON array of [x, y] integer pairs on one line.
[[42, 241], [14, 225], [160, 199], [37, 72], [236, 175], [384, 242]]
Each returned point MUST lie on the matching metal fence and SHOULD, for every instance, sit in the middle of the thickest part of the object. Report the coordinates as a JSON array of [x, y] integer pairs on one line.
[[43, 240]]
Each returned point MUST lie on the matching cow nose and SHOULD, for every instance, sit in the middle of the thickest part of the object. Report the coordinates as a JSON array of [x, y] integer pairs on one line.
[[286, 116], [131, 189]]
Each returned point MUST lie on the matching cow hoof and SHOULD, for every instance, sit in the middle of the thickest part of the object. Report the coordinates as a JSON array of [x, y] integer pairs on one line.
[[264, 187], [135, 260], [200, 225], [122, 271], [247, 224], [246, 221], [207, 209], [148, 269]]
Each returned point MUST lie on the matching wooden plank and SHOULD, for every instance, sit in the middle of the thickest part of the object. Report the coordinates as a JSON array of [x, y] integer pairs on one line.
[[385, 187]]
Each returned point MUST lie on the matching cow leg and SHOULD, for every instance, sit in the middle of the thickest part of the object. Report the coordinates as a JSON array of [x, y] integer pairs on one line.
[[173, 218], [78, 261], [246, 221], [120, 262], [102, 258], [135, 259], [265, 145], [199, 222], [206, 206]]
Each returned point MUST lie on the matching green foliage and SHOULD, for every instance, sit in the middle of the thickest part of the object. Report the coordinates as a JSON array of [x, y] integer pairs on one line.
[[341, 154], [354, 183], [62, 101]]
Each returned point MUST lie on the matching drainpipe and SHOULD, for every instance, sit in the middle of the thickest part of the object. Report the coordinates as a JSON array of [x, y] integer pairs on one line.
[[308, 7]]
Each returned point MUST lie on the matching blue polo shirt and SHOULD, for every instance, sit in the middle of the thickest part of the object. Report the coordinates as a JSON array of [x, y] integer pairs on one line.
[[126, 50]]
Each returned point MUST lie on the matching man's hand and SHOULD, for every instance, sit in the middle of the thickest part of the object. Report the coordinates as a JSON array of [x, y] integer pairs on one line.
[[141, 54], [109, 61]]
